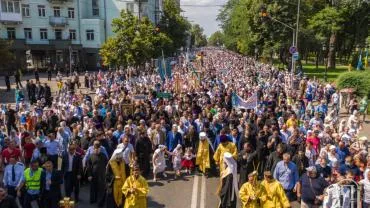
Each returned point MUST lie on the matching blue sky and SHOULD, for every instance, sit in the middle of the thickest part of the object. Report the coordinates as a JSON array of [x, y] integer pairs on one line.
[[204, 16]]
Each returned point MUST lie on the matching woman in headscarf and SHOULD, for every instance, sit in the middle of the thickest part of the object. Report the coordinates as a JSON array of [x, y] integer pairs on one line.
[[116, 176], [229, 183], [159, 162]]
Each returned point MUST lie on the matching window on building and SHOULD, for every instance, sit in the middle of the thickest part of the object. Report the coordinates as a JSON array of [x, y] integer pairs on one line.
[[41, 9], [95, 11], [58, 34], [43, 34], [71, 13], [95, 8], [90, 34], [11, 33], [28, 33], [130, 7], [56, 11], [10, 6], [72, 34], [25, 10]]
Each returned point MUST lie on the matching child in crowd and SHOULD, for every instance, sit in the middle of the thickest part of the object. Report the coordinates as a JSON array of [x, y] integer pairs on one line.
[[176, 160], [187, 161]]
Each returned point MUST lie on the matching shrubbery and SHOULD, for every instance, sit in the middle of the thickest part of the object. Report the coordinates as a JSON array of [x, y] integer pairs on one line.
[[359, 80]]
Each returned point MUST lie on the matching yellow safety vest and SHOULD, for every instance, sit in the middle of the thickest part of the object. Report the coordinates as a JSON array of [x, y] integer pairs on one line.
[[33, 182]]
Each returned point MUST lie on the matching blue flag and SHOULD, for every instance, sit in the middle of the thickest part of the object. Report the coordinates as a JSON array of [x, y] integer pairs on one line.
[[160, 69], [238, 102], [359, 63]]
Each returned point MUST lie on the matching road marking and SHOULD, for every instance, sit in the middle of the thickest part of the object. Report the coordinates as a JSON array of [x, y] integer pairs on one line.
[[203, 193], [194, 196]]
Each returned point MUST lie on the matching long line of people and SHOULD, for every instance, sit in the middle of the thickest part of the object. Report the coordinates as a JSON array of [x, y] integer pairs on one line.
[[122, 128]]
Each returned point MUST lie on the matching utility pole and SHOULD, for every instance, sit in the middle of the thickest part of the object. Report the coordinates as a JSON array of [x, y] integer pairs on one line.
[[139, 13]]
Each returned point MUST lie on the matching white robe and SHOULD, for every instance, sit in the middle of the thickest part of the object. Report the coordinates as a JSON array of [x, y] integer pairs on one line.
[[160, 161]]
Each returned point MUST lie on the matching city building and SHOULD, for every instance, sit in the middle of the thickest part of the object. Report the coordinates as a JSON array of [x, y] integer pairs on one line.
[[50, 33]]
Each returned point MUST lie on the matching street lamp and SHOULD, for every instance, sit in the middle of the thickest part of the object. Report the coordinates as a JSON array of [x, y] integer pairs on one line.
[[326, 62]]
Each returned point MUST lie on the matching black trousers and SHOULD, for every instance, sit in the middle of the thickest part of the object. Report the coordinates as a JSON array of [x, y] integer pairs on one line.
[[9, 126], [144, 165], [18, 83], [11, 191], [50, 199], [97, 191], [28, 198], [54, 160], [71, 184]]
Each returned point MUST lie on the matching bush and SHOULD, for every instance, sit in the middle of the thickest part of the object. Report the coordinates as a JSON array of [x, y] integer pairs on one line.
[[359, 80]]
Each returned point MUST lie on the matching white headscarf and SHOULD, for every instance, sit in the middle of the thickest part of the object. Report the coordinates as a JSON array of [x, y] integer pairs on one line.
[[231, 169]]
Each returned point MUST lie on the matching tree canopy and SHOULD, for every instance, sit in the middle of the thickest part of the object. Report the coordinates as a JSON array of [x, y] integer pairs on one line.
[[341, 25], [198, 39], [135, 42], [216, 39]]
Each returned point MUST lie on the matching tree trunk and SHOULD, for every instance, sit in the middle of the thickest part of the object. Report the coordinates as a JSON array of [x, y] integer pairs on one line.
[[331, 53], [317, 59]]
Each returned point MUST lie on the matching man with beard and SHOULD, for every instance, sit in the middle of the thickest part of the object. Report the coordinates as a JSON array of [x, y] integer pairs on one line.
[[274, 158], [143, 148], [96, 163], [247, 161], [225, 146], [301, 161]]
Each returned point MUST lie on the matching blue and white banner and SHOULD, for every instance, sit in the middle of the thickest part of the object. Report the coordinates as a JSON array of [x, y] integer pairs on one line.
[[239, 103]]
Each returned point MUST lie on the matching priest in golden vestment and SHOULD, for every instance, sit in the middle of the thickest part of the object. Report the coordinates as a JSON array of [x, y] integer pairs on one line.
[[225, 146], [203, 159], [116, 176], [273, 195], [136, 190], [250, 193]]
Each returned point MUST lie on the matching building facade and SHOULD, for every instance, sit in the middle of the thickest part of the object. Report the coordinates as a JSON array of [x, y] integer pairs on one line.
[[65, 33]]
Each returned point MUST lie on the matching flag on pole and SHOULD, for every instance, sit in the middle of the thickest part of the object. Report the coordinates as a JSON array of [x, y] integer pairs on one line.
[[250, 103], [367, 58], [359, 63]]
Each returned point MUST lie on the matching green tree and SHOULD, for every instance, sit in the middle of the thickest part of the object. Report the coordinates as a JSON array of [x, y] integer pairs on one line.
[[198, 39], [174, 26], [7, 57], [135, 42], [216, 39]]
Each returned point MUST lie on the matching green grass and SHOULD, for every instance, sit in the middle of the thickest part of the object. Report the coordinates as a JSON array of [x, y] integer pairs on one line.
[[311, 71]]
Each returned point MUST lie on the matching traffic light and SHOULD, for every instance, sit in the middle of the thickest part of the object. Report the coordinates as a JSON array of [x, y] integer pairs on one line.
[[263, 13], [157, 29]]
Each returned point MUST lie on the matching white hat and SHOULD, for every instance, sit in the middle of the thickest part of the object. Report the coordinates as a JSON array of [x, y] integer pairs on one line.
[[363, 138], [332, 147], [202, 134]]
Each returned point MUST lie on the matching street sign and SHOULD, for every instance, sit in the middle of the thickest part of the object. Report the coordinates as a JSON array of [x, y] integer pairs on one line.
[[292, 49], [295, 56], [166, 95]]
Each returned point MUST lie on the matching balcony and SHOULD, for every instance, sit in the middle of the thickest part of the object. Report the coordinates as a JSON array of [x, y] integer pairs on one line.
[[58, 21], [10, 18]]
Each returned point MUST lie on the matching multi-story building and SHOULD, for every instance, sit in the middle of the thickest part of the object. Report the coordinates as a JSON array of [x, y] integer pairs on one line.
[[48, 33]]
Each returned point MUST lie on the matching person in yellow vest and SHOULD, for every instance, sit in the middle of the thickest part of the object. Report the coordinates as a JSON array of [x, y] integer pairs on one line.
[[202, 159], [273, 194], [116, 176], [225, 146], [136, 190], [31, 181], [250, 193]]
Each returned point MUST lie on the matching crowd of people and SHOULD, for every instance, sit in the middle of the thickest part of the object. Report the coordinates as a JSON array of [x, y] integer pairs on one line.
[[130, 126]]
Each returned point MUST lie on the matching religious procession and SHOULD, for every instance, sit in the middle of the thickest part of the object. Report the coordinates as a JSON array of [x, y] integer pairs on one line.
[[272, 138]]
